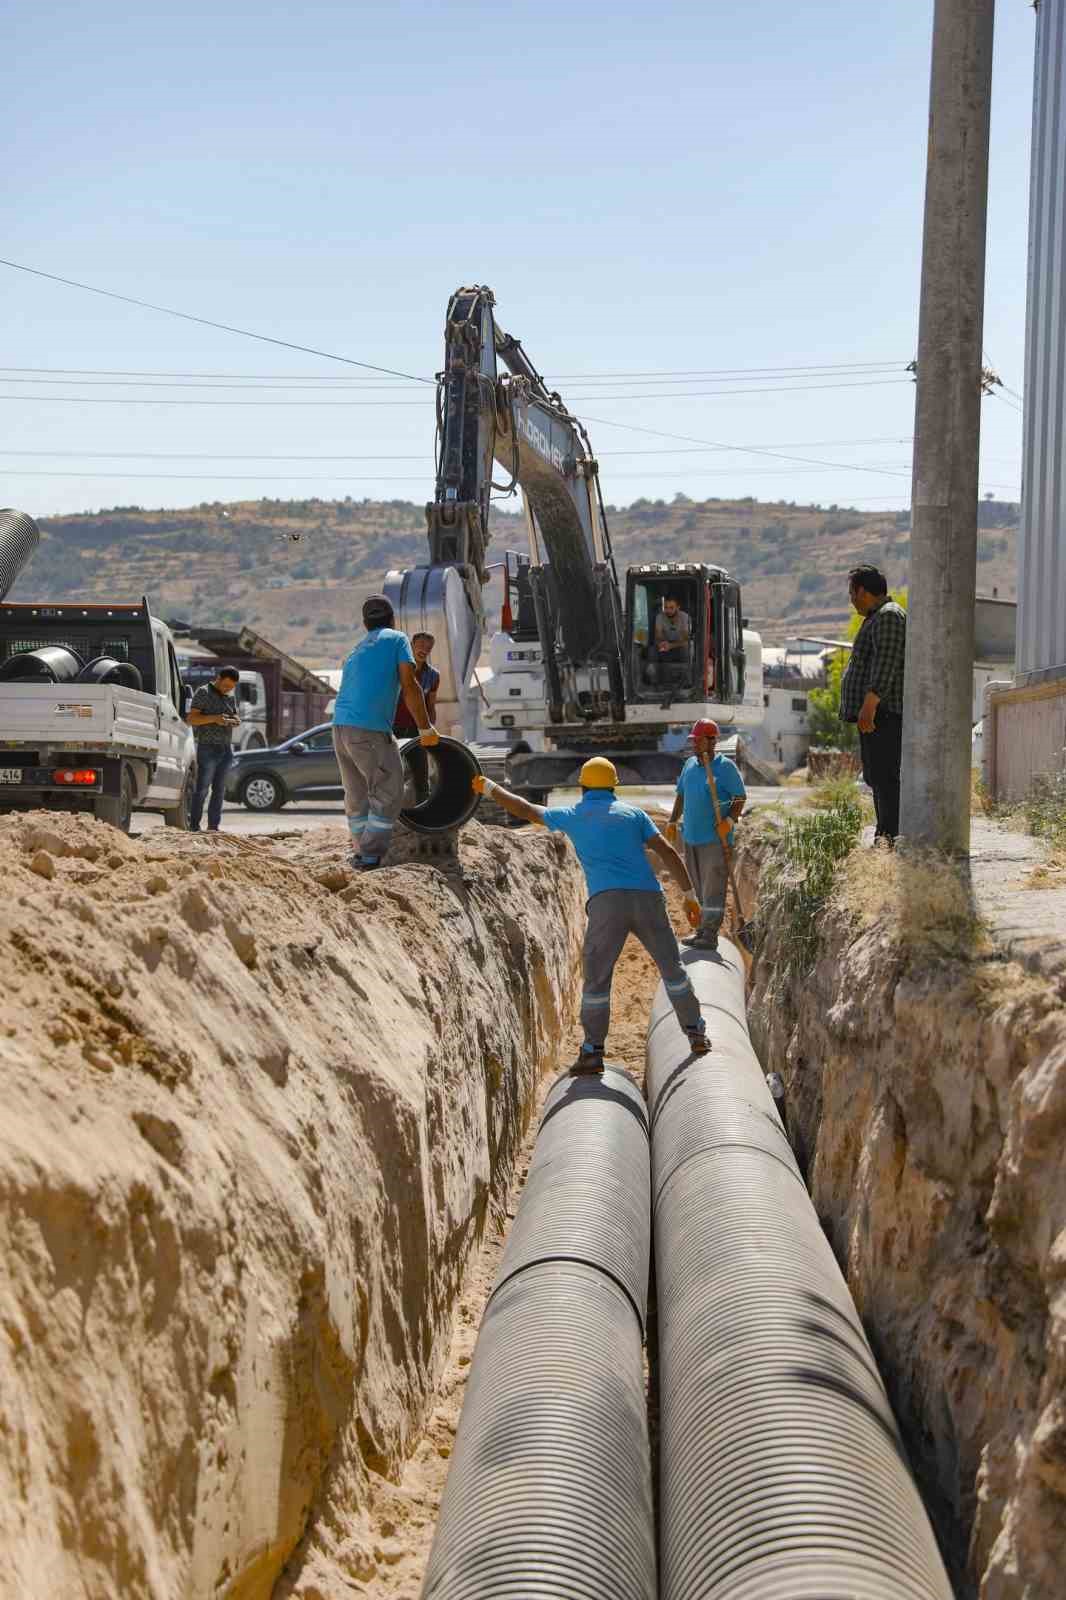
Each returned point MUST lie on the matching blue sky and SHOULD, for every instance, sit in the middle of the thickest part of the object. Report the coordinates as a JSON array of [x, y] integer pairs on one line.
[[679, 187]]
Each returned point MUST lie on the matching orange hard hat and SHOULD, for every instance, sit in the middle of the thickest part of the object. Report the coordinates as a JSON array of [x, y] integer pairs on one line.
[[705, 729]]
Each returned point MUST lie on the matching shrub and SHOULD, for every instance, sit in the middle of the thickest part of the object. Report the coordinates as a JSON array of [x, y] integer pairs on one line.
[[799, 876]]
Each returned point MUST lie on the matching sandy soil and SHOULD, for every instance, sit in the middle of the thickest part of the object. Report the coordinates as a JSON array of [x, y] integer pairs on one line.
[[256, 1115]]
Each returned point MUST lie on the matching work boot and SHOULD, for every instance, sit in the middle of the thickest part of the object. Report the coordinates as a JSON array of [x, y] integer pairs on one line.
[[698, 1041], [589, 1060]]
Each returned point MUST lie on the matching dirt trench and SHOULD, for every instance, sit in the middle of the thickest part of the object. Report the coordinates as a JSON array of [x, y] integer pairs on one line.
[[398, 1519], [259, 1119]]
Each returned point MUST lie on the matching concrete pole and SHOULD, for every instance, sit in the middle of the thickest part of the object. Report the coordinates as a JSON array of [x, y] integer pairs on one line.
[[947, 430]]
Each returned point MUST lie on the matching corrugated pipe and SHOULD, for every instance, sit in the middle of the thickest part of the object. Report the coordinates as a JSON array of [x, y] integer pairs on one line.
[[437, 792], [19, 538], [549, 1491], [782, 1472]]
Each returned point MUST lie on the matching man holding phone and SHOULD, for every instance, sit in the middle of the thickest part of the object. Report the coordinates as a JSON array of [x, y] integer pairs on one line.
[[212, 716]]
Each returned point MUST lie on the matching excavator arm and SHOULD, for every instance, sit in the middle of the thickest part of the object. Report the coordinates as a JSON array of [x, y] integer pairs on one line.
[[516, 422]]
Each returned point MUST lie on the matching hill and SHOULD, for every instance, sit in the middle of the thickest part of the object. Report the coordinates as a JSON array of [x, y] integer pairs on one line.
[[297, 570]]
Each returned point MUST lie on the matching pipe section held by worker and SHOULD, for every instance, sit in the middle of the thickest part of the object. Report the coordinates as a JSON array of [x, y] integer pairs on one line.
[[437, 785], [782, 1472], [549, 1491]]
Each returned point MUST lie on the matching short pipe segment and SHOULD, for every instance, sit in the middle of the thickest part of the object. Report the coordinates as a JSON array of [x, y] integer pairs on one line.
[[437, 785], [549, 1490], [782, 1472]]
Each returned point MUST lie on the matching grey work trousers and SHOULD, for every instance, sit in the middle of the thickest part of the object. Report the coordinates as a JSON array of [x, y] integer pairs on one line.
[[372, 775], [613, 915], [706, 868]]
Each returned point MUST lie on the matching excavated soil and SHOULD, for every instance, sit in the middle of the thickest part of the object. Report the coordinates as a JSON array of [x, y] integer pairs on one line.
[[258, 1120], [926, 1090]]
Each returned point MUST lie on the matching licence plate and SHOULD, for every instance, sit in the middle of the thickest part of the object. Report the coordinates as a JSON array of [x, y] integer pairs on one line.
[[11, 774]]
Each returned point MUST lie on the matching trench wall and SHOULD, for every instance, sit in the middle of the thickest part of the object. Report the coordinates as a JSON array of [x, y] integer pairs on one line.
[[926, 1095], [255, 1116]]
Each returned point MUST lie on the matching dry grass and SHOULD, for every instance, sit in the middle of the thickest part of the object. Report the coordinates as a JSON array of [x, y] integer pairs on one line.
[[922, 898], [1050, 874], [838, 791]]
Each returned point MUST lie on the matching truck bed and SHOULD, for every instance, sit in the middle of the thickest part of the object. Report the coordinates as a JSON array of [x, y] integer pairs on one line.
[[80, 716]]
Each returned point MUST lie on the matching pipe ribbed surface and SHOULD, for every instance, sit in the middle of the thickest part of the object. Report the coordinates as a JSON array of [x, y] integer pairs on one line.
[[782, 1473], [19, 538], [587, 1197], [549, 1490]]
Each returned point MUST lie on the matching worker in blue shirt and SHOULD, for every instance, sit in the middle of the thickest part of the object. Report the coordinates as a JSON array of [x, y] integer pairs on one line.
[[625, 897], [702, 832], [378, 671]]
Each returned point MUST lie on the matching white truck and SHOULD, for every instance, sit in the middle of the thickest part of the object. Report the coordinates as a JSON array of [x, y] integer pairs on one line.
[[92, 713]]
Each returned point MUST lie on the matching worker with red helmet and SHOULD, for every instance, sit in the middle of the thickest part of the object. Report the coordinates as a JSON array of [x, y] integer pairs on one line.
[[703, 833]]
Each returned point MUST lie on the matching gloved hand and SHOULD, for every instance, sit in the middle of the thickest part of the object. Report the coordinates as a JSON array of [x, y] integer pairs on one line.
[[481, 785], [428, 737], [693, 911], [724, 829], [670, 834]]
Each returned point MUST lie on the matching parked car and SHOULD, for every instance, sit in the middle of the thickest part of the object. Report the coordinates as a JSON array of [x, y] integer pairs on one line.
[[304, 768]]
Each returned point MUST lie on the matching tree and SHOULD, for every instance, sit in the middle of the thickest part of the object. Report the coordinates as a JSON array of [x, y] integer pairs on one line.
[[823, 705]]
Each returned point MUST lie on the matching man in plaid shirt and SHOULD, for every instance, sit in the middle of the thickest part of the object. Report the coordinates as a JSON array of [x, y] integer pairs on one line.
[[871, 692]]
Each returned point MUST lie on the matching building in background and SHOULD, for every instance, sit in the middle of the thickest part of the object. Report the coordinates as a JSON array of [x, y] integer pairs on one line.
[[790, 671], [1025, 723]]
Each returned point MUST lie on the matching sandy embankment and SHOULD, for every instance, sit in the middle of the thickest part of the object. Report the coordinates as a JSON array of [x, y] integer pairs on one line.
[[256, 1118], [926, 1086]]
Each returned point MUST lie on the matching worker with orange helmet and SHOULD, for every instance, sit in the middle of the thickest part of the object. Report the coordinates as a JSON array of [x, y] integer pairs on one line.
[[625, 897], [703, 832]]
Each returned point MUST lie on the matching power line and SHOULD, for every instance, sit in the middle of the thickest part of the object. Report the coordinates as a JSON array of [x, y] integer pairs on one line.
[[683, 438], [136, 400], [206, 322], [262, 377], [243, 477], [199, 455], [330, 386]]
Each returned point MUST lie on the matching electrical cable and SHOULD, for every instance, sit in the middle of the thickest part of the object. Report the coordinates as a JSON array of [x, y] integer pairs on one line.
[[136, 400], [206, 322]]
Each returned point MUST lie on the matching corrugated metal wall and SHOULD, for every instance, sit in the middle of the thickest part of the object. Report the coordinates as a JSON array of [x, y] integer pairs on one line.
[[1042, 545]]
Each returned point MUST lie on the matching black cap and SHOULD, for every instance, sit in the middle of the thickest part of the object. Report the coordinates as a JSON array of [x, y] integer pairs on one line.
[[377, 612], [229, 672]]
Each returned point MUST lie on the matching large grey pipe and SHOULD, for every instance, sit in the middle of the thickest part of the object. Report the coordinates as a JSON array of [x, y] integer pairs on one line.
[[19, 538], [782, 1472], [549, 1491]]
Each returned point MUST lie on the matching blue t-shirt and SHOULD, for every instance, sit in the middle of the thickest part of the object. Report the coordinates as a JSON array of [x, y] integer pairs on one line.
[[697, 819], [609, 838], [370, 681]]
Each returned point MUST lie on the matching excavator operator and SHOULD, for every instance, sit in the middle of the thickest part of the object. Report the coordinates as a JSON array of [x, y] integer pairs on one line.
[[670, 639], [625, 897]]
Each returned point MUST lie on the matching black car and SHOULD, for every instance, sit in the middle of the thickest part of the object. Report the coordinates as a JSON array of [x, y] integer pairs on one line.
[[304, 768]]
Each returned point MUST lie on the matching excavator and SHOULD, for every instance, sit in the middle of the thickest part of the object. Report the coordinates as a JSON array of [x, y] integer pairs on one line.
[[610, 686]]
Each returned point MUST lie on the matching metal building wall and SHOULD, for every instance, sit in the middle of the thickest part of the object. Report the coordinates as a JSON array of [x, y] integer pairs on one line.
[[1042, 542]]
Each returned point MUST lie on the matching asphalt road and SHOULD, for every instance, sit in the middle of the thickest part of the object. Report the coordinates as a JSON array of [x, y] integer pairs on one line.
[[235, 819]]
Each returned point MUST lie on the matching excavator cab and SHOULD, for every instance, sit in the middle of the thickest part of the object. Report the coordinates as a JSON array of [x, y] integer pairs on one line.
[[685, 635]]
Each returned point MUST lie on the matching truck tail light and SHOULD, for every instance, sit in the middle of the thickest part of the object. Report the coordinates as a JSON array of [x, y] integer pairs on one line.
[[82, 775]]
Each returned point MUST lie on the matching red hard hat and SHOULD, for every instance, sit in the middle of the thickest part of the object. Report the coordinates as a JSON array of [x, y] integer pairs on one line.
[[705, 729]]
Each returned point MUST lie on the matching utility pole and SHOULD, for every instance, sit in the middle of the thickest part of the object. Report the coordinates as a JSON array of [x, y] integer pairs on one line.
[[947, 432]]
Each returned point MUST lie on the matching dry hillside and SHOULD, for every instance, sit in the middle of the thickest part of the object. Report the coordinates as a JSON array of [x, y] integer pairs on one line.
[[244, 562]]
